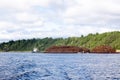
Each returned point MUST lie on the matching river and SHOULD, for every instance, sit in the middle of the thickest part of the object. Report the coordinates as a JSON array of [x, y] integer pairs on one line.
[[29, 66]]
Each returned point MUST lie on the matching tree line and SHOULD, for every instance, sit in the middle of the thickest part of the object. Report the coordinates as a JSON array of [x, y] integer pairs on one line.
[[89, 41]]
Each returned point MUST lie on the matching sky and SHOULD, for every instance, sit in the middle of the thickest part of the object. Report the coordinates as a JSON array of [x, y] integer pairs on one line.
[[26, 19]]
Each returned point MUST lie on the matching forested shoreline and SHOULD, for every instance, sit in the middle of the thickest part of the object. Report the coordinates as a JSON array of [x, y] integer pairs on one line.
[[89, 41]]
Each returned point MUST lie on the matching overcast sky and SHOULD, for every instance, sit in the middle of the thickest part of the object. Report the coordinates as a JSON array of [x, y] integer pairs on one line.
[[23, 19]]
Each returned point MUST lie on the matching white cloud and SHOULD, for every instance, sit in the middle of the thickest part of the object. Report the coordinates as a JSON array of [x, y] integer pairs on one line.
[[23, 4], [91, 11], [7, 25], [26, 17], [57, 18], [13, 4]]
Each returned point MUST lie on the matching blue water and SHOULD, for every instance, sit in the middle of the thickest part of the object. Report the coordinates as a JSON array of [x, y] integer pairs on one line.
[[28, 66]]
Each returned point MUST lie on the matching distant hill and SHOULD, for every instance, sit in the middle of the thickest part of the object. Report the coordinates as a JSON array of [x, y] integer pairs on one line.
[[89, 41]]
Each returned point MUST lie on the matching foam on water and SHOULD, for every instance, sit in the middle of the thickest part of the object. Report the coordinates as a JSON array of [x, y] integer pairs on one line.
[[27, 66]]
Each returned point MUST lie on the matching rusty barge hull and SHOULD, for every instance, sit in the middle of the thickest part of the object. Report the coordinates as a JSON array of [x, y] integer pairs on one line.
[[66, 49]]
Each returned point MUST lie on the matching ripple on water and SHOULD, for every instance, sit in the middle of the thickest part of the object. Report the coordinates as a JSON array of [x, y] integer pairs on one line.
[[59, 67]]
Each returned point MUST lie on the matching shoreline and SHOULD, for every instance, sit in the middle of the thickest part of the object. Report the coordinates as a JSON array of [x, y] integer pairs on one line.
[[54, 52]]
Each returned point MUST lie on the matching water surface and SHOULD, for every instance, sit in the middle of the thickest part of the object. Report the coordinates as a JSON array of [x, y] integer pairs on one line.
[[28, 66]]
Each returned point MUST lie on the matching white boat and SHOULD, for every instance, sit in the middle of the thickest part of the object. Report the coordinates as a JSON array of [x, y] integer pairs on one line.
[[35, 50]]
